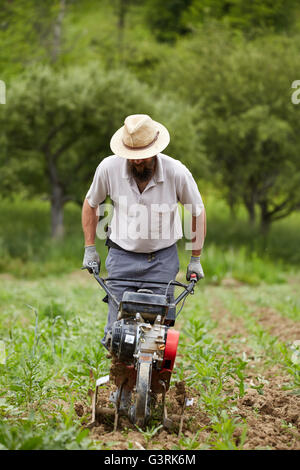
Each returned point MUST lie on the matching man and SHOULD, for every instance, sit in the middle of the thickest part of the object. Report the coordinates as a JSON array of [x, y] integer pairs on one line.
[[145, 187]]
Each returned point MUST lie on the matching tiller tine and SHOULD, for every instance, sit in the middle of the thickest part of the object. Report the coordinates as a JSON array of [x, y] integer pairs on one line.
[[101, 381], [167, 422], [117, 405], [182, 415]]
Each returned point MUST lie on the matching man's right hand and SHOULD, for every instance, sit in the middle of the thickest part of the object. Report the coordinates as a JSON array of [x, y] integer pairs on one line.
[[91, 256]]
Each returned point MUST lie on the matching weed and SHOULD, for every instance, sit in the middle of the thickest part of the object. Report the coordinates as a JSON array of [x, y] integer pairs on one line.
[[223, 434], [189, 443], [149, 433]]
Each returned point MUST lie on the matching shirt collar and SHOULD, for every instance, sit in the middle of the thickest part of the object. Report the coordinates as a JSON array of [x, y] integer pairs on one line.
[[158, 176], [159, 172]]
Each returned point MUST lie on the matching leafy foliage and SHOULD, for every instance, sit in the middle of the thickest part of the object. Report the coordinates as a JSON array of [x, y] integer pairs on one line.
[[252, 17], [166, 22], [67, 120], [248, 128]]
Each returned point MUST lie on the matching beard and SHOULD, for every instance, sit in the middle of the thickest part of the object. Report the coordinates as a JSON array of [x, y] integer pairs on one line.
[[144, 171]]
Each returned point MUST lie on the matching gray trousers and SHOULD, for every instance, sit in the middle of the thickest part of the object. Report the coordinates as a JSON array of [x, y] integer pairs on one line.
[[163, 265]]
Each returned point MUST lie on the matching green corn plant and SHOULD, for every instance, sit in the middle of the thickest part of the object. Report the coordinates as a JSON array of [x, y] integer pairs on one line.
[[223, 434], [149, 433], [36, 335], [189, 443]]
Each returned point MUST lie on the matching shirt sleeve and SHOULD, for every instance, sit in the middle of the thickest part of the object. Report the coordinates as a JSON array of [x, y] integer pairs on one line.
[[99, 188], [188, 193]]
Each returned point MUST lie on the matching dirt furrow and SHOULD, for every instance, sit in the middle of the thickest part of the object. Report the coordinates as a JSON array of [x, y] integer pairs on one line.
[[272, 414]]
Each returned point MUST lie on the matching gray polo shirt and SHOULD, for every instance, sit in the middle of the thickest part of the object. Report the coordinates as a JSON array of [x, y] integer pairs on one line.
[[148, 221]]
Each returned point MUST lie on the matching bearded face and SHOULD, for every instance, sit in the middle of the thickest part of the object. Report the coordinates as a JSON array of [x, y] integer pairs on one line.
[[142, 169]]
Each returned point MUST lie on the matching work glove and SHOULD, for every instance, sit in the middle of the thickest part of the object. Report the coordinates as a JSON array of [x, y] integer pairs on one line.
[[194, 267], [91, 256]]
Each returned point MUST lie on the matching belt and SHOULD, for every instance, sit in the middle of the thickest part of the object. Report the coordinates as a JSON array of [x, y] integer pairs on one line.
[[112, 244]]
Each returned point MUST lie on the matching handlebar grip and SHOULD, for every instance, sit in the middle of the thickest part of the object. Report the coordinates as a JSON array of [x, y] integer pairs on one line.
[[193, 276], [92, 267]]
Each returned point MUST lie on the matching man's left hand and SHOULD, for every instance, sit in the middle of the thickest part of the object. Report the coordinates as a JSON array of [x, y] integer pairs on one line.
[[194, 267]]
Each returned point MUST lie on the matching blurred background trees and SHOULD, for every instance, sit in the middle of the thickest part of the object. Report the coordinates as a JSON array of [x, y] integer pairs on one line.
[[250, 17], [57, 123], [249, 127]]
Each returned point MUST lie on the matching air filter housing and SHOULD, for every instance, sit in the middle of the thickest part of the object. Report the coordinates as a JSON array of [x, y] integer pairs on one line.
[[148, 305]]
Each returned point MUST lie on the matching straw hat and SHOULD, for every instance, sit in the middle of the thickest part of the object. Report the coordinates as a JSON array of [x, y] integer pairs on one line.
[[139, 138]]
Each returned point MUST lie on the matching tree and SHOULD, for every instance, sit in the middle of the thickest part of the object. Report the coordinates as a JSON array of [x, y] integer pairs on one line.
[[250, 17], [165, 18], [56, 128], [250, 129], [30, 32]]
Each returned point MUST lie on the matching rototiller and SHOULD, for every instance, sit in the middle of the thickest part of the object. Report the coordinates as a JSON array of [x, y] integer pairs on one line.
[[143, 349]]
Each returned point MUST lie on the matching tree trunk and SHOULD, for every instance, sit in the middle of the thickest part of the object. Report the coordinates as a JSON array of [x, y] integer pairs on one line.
[[57, 197], [250, 206], [57, 212], [251, 214], [122, 7], [231, 202], [265, 220], [57, 32]]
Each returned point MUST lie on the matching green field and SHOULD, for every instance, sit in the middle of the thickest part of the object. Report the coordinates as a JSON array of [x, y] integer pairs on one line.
[[238, 352], [51, 330]]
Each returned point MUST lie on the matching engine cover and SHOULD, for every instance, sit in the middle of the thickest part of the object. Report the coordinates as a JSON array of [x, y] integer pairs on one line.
[[133, 338], [124, 339], [148, 305], [170, 350]]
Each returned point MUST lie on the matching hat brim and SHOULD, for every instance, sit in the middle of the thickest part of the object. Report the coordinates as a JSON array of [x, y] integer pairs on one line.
[[119, 149]]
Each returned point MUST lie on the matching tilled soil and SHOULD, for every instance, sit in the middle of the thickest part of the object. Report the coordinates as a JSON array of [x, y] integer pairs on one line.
[[272, 419], [128, 436], [284, 328]]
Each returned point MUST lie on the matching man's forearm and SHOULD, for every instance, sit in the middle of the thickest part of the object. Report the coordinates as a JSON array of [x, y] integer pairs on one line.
[[89, 223], [199, 233]]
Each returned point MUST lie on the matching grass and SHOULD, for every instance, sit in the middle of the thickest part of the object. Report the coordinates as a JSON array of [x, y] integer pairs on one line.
[[47, 362], [232, 249]]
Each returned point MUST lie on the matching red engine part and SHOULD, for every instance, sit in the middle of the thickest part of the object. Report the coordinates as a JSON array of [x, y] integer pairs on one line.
[[170, 350]]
